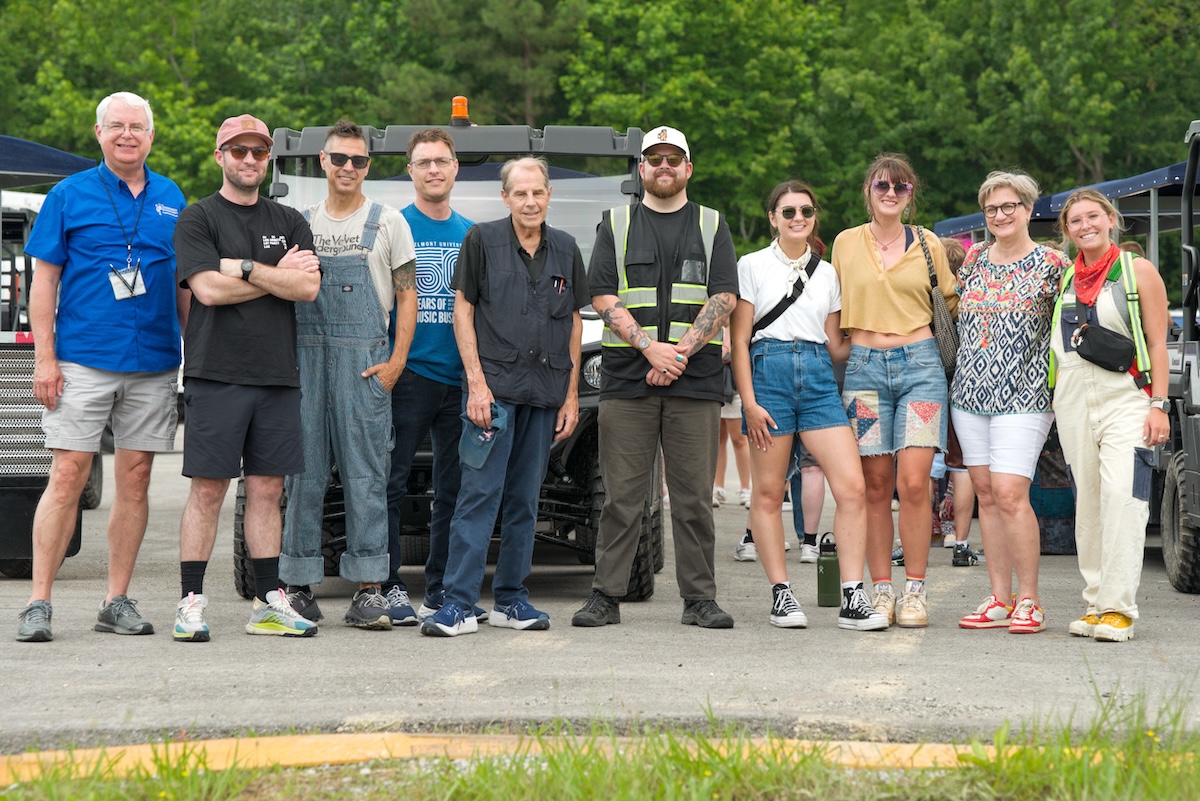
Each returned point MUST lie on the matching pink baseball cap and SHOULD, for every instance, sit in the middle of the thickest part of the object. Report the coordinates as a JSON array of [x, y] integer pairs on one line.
[[245, 124]]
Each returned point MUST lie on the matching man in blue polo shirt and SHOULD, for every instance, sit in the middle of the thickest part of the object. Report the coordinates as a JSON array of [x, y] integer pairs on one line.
[[104, 311]]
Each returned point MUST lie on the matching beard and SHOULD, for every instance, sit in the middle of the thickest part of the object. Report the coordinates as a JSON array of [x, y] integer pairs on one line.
[[235, 179], [667, 190]]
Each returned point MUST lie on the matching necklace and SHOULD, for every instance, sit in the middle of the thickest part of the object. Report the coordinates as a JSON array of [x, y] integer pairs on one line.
[[884, 245]]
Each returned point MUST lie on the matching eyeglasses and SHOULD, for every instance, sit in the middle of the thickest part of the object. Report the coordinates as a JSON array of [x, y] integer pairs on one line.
[[424, 164], [789, 212], [137, 129], [1007, 208], [881, 188], [1092, 219], [673, 160], [240, 152], [340, 159]]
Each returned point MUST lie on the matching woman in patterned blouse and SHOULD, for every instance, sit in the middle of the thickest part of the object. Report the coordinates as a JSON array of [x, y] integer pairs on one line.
[[999, 399]]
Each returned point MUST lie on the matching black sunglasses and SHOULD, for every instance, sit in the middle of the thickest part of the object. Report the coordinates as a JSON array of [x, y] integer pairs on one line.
[[239, 152], [655, 159], [340, 159], [789, 212]]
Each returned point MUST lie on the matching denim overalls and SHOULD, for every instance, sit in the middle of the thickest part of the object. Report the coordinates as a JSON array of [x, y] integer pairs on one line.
[[347, 419]]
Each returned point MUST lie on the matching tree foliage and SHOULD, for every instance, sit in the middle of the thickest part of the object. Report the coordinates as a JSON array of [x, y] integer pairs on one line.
[[1072, 91]]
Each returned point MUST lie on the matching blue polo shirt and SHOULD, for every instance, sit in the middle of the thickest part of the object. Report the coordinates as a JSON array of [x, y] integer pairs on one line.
[[78, 230]]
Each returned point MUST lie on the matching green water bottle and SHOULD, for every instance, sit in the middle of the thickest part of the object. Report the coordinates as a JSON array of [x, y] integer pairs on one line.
[[829, 577]]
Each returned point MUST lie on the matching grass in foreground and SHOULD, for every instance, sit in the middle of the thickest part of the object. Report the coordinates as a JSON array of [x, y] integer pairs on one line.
[[1121, 755]]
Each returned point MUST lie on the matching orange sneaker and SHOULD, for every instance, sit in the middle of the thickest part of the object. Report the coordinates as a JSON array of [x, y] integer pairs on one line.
[[991, 614], [1027, 618]]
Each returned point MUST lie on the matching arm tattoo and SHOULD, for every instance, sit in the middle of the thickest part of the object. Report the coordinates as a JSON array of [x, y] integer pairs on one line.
[[631, 332], [405, 278], [710, 320]]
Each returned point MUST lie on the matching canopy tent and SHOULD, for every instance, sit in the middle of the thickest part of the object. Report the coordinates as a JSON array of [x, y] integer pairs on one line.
[[24, 163], [1149, 203]]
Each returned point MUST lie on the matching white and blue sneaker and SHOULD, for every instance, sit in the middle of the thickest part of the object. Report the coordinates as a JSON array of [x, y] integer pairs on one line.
[[450, 621], [433, 603], [520, 616], [400, 608], [189, 619]]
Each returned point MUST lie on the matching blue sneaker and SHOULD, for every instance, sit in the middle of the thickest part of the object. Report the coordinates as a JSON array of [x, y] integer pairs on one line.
[[520, 616], [399, 607], [450, 621], [433, 603]]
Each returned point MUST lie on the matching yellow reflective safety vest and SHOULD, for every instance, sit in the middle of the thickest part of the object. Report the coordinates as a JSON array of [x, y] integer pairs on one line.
[[689, 289]]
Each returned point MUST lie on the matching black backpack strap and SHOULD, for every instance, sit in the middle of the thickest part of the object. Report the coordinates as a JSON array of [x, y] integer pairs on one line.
[[783, 305]]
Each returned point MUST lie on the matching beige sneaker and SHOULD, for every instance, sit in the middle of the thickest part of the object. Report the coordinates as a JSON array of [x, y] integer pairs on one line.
[[914, 611], [885, 604]]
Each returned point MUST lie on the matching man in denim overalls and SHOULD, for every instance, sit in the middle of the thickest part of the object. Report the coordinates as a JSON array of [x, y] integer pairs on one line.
[[368, 264]]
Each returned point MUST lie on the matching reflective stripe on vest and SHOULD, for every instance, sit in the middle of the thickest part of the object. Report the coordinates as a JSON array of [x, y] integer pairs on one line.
[[640, 297]]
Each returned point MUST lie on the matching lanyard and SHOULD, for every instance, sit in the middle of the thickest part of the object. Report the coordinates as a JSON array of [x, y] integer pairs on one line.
[[129, 265]]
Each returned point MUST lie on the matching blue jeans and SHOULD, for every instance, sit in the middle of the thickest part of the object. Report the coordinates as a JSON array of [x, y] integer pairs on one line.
[[421, 405], [896, 398], [509, 482]]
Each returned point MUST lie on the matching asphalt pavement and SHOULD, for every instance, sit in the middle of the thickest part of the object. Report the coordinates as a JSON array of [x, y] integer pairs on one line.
[[940, 684]]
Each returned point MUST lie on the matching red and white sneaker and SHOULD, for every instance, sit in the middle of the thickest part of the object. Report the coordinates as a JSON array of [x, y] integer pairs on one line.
[[991, 614], [1027, 618]]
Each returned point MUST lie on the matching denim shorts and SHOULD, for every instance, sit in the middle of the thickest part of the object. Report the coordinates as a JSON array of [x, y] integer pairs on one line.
[[793, 381], [896, 398]]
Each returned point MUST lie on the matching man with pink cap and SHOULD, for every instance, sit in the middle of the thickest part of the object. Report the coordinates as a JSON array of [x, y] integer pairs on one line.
[[247, 260]]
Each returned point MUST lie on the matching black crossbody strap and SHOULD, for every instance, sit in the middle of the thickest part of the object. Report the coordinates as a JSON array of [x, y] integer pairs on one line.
[[783, 305]]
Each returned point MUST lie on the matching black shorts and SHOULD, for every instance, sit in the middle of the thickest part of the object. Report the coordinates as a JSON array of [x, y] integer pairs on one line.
[[233, 429]]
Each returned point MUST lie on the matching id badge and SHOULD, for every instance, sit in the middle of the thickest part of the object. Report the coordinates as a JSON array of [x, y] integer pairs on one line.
[[127, 283]]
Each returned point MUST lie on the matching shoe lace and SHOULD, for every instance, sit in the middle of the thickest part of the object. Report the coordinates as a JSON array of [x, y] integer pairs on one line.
[[597, 602], [1024, 609], [858, 603], [397, 597], [912, 602], [36, 613], [297, 595], [372, 600], [282, 606], [192, 611], [122, 607], [785, 603], [987, 604]]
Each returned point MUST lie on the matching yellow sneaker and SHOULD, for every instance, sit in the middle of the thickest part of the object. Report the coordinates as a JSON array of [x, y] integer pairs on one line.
[[1085, 626], [1114, 627]]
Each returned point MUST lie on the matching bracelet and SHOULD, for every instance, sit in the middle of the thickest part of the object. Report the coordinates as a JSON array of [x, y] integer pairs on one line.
[[1158, 398]]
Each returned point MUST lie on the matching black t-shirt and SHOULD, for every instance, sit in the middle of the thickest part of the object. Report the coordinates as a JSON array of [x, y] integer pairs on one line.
[[624, 376], [252, 343], [468, 271]]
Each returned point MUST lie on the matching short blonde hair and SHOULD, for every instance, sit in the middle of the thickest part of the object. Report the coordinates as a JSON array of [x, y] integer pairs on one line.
[[1024, 186], [1080, 195]]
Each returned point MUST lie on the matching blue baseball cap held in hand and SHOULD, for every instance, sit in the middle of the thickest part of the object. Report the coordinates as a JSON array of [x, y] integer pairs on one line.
[[476, 443]]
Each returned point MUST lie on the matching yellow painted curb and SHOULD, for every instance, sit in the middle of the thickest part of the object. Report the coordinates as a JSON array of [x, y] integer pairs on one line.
[[340, 749]]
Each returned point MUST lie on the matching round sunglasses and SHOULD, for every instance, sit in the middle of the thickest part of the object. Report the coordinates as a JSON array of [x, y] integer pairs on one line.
[[901, 188], [789, 212]]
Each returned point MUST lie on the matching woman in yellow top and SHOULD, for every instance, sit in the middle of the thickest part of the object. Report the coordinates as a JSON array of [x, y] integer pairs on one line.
[[1108, 421], [895, 390]]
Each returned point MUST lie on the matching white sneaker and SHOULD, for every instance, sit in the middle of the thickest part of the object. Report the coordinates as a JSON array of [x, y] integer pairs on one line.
[[785, 609], [809, 554], [745, 550], [744, 498], [885, 604], [189, 619], [718, 497], [787, 506], [787, 544]]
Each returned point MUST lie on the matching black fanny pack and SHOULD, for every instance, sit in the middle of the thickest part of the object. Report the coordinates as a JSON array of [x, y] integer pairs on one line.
[[1101, 346]]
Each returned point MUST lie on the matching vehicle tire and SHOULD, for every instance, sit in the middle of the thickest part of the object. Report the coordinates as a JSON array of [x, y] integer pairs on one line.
[[17, 568], [653, 515], [585, 536], [1180, 541], [243, 571], [93, 490], [414, 549]]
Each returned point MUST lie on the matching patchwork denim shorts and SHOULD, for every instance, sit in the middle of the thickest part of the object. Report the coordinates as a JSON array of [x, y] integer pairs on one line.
[[896, 398], [793, 381]]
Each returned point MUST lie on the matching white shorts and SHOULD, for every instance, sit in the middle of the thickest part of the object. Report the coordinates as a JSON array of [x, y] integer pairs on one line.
[[733, 409], [1005, 443], [143, 408]]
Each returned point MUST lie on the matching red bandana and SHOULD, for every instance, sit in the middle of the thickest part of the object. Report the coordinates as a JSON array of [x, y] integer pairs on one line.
[[1089, 278]]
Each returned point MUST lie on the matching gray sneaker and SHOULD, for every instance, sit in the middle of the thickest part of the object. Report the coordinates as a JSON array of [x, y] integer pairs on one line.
[[304, 603], [706, 615], [122, 617], [34, 625], [369, 609]]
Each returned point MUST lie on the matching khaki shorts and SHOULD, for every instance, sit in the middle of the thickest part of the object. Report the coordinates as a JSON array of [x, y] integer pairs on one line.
[[142, 407]]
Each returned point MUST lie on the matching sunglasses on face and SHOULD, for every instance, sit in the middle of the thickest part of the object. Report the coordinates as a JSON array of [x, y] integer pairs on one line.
[[240, 152], [901, 188], [655, 159], [340, 159], [789, 212]]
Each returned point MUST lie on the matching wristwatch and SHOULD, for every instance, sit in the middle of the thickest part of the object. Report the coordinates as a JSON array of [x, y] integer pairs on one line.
[[1162, 404], [247, 268], [643, 342]]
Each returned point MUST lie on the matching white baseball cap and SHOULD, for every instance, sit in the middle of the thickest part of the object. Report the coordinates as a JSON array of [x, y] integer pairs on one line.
[[663, 135]]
